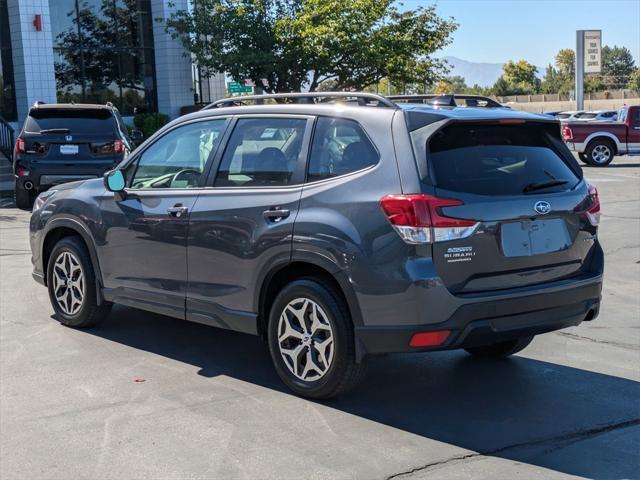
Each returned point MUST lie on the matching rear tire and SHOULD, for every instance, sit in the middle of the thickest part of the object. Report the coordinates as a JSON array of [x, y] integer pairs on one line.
[[72, 285], [24, 199], [583, 158], [311, 340], [600, 152], [500, 349]]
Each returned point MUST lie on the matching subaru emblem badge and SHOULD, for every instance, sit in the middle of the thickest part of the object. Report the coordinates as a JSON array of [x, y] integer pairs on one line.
[[68, 138], [542, 207]]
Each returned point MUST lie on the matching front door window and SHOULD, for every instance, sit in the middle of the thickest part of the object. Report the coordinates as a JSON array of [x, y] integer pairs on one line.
[[178, 159]]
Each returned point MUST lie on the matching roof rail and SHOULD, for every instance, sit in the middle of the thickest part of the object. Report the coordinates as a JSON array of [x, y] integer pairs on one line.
[[362, 98], [448, 99], [37, 103]]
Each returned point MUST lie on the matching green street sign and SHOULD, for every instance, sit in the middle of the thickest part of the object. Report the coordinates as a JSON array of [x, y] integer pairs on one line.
[[237, 87]]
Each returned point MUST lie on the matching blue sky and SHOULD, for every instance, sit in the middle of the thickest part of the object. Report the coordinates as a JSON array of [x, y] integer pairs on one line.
[[499, 30]]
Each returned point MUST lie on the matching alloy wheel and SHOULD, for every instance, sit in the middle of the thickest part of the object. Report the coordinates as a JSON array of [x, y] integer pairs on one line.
[[305, 339], [68, 283], [601, 154]]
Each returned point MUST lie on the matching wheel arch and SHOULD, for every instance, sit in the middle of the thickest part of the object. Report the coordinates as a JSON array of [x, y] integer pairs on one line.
[[60, 228], [603, 136], [282, 274]]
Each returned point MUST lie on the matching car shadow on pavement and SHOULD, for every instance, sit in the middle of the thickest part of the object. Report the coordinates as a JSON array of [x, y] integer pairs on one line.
[[519, 409]]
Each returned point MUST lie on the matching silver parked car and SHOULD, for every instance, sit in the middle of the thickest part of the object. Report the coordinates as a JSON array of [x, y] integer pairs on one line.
[[597, 116]]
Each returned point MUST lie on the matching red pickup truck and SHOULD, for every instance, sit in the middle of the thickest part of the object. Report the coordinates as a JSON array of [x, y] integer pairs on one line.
[[598, 142]]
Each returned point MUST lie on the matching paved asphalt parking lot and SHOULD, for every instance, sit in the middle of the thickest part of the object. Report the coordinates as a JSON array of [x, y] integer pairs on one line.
[[146, 396]]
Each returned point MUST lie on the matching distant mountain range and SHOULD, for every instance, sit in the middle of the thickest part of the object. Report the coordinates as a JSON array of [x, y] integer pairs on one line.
[[484, 74]]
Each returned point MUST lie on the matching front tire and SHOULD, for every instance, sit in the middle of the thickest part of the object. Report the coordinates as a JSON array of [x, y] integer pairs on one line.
[[24, 199], [72, 285], [501, 349], [600, 153], [311, 340]]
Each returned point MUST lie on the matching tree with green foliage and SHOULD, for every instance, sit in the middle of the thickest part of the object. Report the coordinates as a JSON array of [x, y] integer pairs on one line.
[[551, 81], [634, 80], [501, 88], [478, 90], [617, 66], [518, 78], [453, 84], [560, 77], [565, 62], [286, 45]]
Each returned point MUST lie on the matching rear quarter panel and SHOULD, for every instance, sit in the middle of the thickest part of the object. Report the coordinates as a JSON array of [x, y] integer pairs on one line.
[[341, 227]]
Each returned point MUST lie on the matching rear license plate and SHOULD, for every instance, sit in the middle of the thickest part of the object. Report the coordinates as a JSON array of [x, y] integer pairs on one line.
[[69, 149], [534, 237]]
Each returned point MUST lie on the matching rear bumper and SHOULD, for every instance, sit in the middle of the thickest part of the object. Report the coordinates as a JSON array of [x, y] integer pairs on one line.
[[492, 320], [44, 175], [44, 180]]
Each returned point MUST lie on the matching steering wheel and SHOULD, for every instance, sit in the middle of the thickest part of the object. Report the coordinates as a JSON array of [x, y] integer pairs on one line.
[[185, 172]]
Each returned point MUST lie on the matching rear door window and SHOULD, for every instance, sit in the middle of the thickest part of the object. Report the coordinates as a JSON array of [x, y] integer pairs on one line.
[[70, 120], [499, 159], [339, 147], [262, 152]]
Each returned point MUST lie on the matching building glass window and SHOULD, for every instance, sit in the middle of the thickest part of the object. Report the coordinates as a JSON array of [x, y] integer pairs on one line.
[[104, 53], [7, 81]]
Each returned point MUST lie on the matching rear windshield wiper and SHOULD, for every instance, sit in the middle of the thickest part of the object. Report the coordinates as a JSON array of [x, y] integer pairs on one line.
[[539, 186], [55, 130]]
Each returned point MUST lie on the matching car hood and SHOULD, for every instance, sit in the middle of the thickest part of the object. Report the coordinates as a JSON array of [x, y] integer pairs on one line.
[[77, 184]]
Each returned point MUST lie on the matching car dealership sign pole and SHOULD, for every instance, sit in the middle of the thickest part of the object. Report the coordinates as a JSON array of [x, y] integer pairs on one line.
[[588, 59]]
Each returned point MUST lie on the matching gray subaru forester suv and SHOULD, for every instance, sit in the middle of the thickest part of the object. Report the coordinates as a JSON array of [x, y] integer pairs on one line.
[[336, 226]]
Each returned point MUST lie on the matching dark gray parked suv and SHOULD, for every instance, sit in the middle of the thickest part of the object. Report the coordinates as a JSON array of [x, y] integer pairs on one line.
[[336, 226]]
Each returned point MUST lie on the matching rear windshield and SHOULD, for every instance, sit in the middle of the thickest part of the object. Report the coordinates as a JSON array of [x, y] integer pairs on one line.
[[499, 159], [76, 121]]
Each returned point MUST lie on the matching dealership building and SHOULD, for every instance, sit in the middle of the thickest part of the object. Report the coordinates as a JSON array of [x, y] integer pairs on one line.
[[96, 51]]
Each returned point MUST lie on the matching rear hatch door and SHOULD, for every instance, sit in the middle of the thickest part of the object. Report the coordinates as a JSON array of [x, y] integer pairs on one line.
[[525, 196], [71, 139]]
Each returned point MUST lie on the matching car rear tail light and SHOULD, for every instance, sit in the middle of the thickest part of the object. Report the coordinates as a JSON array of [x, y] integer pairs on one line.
[[419, 219], [567, 133], [593, 212], [22, 172], [108, 148], [429, 339], [118, 146], [20, 146]]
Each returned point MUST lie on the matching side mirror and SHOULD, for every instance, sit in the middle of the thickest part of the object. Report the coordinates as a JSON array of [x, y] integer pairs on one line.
[[136, 136], [114, 182]]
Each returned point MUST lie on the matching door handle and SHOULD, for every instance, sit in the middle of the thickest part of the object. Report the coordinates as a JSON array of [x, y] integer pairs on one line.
[[177, 210], [275, 214]]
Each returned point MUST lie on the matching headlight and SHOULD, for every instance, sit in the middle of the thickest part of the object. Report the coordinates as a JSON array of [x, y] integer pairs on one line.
[[42, 199]]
